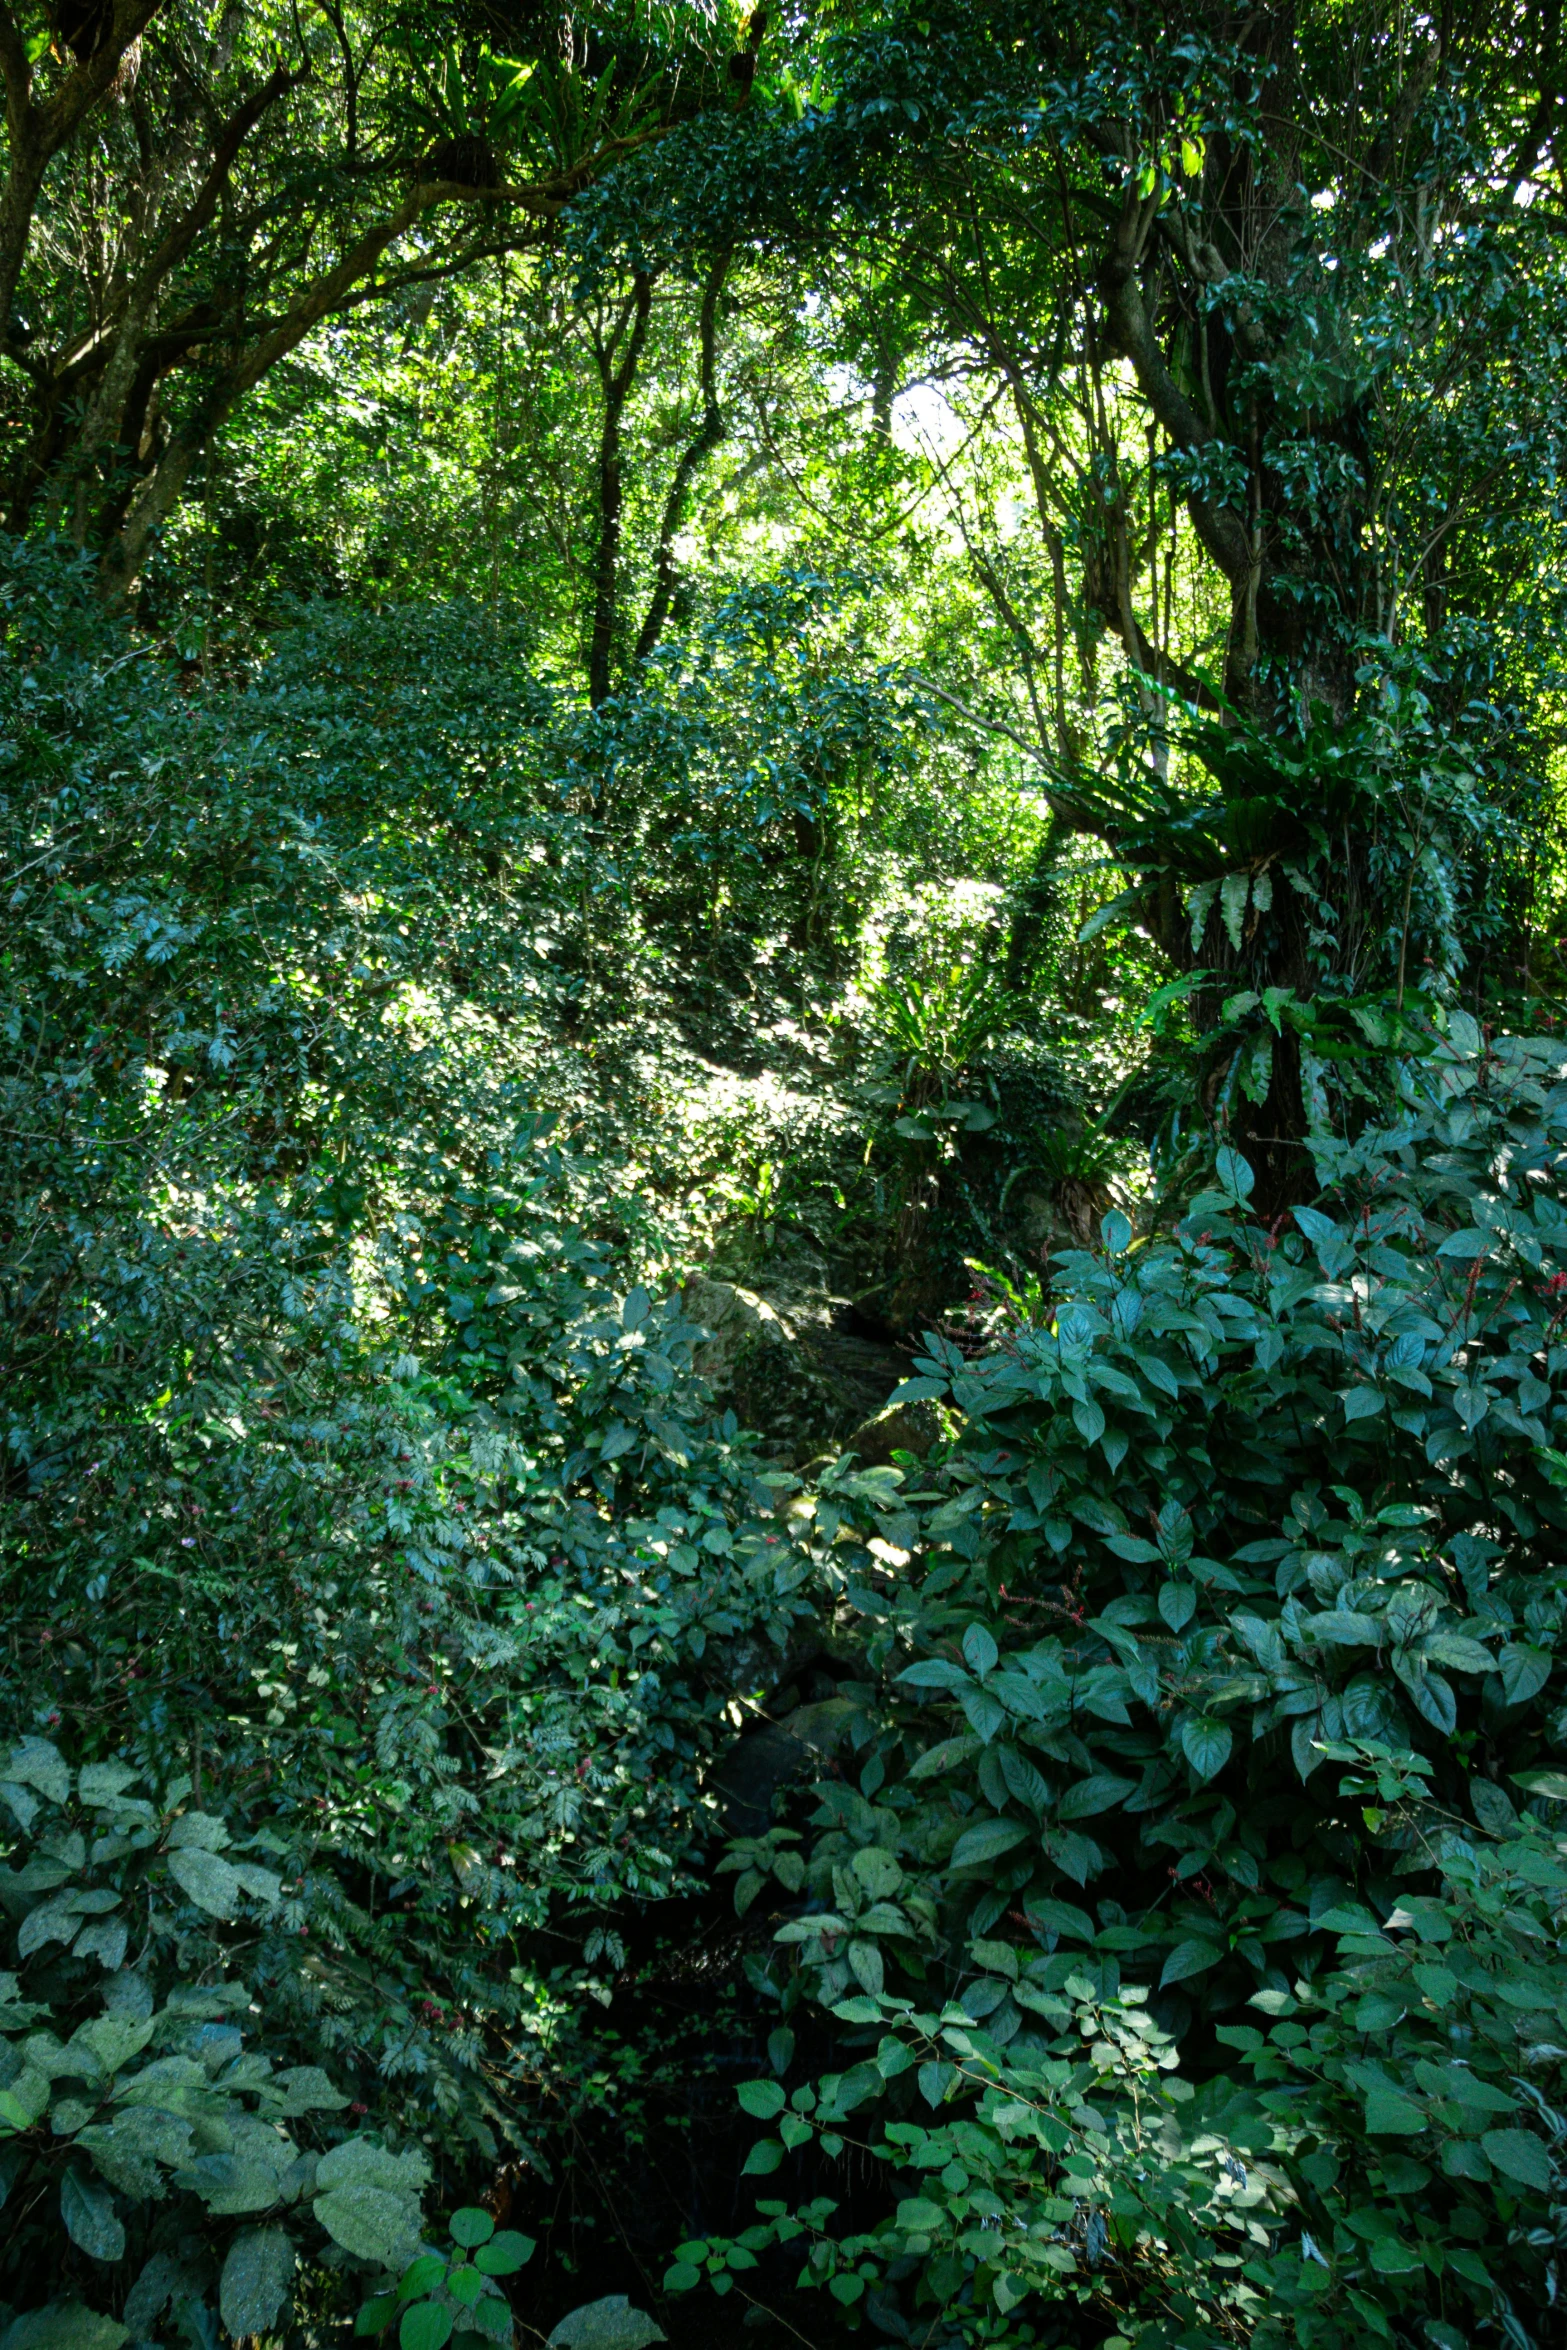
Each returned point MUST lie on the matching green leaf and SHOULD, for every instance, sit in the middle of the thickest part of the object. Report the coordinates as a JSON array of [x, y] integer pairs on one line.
[[199, 1831], [1389, 2114], [37, 1763], [979, 1650], [986, 1842], [426, 2325], [1090, 1420], [1191, 1957], [1100, 1791], [878, 1870], [985, 1713], [1234, 1173], [504, 2254], [491, 2316], [764, 2158], [761, 2099], [63, 2325], [106, 1942], [421, 2276], [210, 1881], [374, 2223], [865, 1963], [1177, 1605], [257, 2274], [100, 1783], [611, 2324], [112, 2039], [471, 2226], [1206, 1744], [1519, 2156], [91, 2222], [377, 2314], [1525, 1672], [1234, 890]]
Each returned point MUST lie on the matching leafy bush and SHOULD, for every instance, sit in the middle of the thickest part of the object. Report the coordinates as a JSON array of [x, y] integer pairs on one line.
[[452, 2293], [349, 1466], [137, 2131], [1238, 1496], [1418, 2088], [1394, 2173]]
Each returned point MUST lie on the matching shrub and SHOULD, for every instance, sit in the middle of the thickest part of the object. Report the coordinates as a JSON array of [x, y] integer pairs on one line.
[[145, 2150], [1236, 1497]]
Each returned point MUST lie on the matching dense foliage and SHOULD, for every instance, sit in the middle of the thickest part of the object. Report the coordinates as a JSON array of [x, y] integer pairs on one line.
[[783, 1243], [1359, 1416]]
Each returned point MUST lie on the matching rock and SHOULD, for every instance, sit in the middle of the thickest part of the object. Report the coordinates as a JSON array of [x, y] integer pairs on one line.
[[903, 1427], [757, 1361]]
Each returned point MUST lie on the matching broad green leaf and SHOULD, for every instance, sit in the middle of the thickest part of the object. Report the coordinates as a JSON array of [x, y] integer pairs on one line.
[[979, 1650], [935, 2078], [1390, 2114], [1100, 1791], [421, 2276], [257, 2274], [198, 1831], [63, 2325], [878, 1870], [1177, 1605], [106, 1941], [38, 1763], [471, 2226], [504, 2254], [1206, 1744], [90, 2220], [1191, 1957], [208, 1879], [761, 2099], [100, 1783], [1090, 1420], [374, 2223], [986, 1714], [425, 2325], [1519, 2156], [987, 1842], [866, 1965], [1525, 1671], [611, 2324]]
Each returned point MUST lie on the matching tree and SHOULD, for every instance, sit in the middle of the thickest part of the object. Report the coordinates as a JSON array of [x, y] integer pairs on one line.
[[1263, 307], [225, 186]]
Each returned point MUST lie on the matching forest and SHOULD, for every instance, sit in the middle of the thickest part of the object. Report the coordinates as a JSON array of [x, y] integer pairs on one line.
[[783, 1174]]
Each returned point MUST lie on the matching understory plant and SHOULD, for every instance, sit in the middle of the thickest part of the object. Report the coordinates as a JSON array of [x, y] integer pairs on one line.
[[156, 2162], [1231, 1498]]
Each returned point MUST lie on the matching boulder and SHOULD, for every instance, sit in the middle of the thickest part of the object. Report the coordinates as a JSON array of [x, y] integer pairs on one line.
[[903, 1427], [757, 1360]]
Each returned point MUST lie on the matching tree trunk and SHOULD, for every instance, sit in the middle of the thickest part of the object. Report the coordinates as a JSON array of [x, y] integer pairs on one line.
[[617, 382]]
